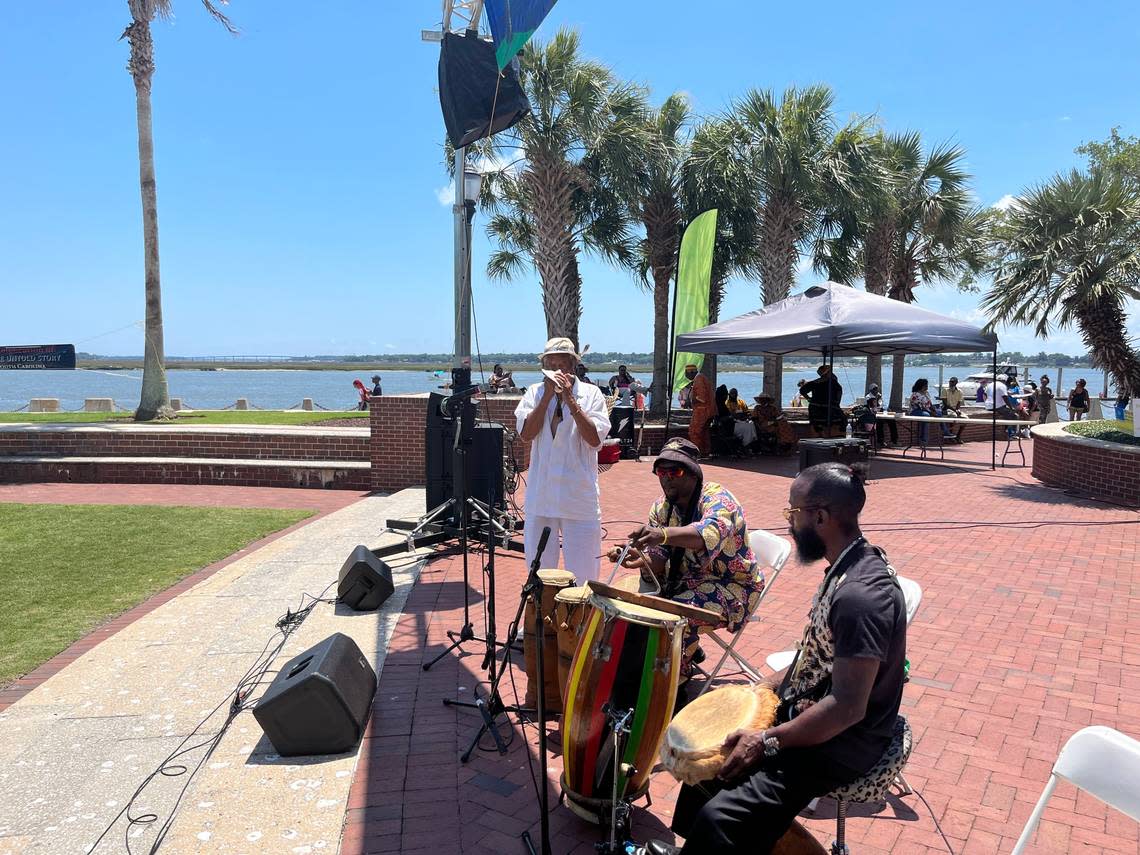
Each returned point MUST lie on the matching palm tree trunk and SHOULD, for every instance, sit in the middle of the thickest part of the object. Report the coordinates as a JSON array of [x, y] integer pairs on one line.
[[661, 214], [716, 294], [876, 276], [897, 382], [904, 279], [660, 398], [780, 224], [555, 251], [1104, 329], [155, 396]]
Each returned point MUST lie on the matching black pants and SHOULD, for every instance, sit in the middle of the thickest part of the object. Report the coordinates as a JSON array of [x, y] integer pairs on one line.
[[893, 428], [751, 816]]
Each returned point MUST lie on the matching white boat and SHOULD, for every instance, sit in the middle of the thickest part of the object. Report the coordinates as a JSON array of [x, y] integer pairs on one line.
[[969, 386]]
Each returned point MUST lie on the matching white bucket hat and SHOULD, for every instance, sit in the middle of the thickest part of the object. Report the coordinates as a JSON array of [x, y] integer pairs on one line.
[[559, 345]]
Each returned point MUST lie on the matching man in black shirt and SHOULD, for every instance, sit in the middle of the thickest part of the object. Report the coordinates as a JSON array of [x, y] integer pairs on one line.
[[839, 698]]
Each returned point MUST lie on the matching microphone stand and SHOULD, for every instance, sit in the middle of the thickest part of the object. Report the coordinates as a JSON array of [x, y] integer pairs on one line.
[[533, 587]]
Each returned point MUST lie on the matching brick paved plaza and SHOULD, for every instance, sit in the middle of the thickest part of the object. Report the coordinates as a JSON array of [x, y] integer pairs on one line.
[[1026, 633]]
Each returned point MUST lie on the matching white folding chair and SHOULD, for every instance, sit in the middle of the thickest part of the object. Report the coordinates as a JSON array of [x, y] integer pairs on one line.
[[1101, 761], [771, 552], [912, 594]]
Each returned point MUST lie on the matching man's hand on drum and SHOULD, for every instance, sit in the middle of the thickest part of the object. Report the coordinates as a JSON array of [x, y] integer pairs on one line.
[[744, 749]]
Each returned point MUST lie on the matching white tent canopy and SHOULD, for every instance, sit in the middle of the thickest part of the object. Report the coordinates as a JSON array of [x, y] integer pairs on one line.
[[841, 320]]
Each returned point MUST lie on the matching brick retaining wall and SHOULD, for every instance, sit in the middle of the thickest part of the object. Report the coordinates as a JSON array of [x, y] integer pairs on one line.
[[1107, 470], [158, 441], [399, 433]]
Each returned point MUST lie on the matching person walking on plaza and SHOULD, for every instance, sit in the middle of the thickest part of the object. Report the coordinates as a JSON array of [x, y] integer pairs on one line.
[[565, 421], [704, 409], [1044, 399], [1078, 401]]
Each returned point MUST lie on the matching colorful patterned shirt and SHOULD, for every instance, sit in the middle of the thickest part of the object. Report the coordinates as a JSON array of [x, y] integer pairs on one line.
[[724, 576]]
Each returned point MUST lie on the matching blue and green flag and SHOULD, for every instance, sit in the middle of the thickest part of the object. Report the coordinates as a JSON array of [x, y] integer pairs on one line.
[[513, 22]]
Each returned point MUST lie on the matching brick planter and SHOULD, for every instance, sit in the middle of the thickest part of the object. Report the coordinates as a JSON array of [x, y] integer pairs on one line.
[[1107, 470]]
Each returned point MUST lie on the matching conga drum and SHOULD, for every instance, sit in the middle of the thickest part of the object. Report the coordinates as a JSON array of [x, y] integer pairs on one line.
[[553, 581], [693, 747], [571, 608], [629, 658]]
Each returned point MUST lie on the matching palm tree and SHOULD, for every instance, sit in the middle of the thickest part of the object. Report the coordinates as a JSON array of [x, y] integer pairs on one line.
[[1069, 252], [559, 194], [155, 396], [654, 200], [794, 164], [937, 234], [715, 175]]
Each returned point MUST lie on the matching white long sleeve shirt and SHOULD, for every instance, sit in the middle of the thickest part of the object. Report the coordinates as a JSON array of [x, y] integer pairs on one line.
[[562, 480]]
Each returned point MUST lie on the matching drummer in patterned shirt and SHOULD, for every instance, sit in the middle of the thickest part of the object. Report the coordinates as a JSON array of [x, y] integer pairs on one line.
[[696, 544]]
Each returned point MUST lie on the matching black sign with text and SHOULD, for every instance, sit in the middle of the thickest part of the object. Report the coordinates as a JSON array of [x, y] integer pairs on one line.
[[59, 356]]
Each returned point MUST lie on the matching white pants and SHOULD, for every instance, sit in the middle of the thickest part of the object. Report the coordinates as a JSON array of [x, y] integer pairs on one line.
[[581, 545]]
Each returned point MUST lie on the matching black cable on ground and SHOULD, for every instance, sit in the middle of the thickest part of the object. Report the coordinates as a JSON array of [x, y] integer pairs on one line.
[[937, 825], [235, 702]]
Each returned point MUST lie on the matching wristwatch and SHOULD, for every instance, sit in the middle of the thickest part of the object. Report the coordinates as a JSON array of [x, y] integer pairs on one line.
[[771, 744]]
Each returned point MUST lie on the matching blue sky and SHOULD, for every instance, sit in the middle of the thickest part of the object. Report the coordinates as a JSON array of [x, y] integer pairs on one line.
[[299, 164]]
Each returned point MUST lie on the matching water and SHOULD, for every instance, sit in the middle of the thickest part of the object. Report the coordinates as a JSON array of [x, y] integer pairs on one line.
[[281, 388]]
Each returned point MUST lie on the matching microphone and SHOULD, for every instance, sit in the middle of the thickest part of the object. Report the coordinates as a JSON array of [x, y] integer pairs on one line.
[[542, 542]]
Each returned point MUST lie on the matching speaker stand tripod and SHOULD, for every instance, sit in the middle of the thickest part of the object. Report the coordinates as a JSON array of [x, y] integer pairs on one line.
[[459, 518]]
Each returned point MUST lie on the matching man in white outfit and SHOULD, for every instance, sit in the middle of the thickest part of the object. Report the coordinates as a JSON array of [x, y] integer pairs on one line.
[[565, 422]]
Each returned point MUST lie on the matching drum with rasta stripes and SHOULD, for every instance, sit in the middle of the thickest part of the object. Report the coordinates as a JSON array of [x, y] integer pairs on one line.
[[628, 658]]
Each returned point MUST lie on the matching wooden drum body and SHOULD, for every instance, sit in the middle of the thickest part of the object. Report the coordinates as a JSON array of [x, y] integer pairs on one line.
[[571, 609], [629, 657], [553, 581]]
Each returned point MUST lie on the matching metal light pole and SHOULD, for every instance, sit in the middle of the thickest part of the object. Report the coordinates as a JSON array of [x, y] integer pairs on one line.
[[461, 362]]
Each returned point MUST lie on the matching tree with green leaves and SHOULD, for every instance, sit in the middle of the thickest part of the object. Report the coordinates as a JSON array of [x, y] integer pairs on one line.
[[154, 399], [1119, 156], [558, 194], [653, 194], [796, 159], [939, 235], [716, 176], [1068, 252]]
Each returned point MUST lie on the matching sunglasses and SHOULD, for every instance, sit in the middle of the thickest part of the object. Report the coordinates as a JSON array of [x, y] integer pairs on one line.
[[671, 473], [787, 512]]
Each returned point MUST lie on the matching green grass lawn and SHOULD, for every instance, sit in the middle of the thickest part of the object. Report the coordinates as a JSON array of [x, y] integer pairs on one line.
[[201, 417], [66, 569], [1110, 430]]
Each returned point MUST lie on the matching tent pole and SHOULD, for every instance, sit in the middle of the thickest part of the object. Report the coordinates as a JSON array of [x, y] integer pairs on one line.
[[672, 347], [993, 414]]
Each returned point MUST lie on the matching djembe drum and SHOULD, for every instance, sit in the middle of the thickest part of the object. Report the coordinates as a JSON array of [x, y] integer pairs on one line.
[[571, 608], [693, 747], [553, 581], [628, 658]]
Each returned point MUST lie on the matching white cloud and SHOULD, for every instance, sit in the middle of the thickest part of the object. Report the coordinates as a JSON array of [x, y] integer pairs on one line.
[[446, 195], [1005, 202], [1065, 119]]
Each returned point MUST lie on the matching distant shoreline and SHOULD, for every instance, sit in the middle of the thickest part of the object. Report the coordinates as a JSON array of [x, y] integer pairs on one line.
[[427, 367]]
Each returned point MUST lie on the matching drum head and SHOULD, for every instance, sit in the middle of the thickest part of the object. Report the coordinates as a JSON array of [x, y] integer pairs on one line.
[[573, 595], [557, 578], [634, 613], [693, 746]]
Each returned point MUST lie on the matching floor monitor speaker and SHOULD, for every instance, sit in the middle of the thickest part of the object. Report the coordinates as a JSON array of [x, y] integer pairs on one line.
[[319, 701], [365, 581]]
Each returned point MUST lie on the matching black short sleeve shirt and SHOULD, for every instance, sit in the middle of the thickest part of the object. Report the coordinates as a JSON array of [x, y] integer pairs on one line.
[[868, 620]]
